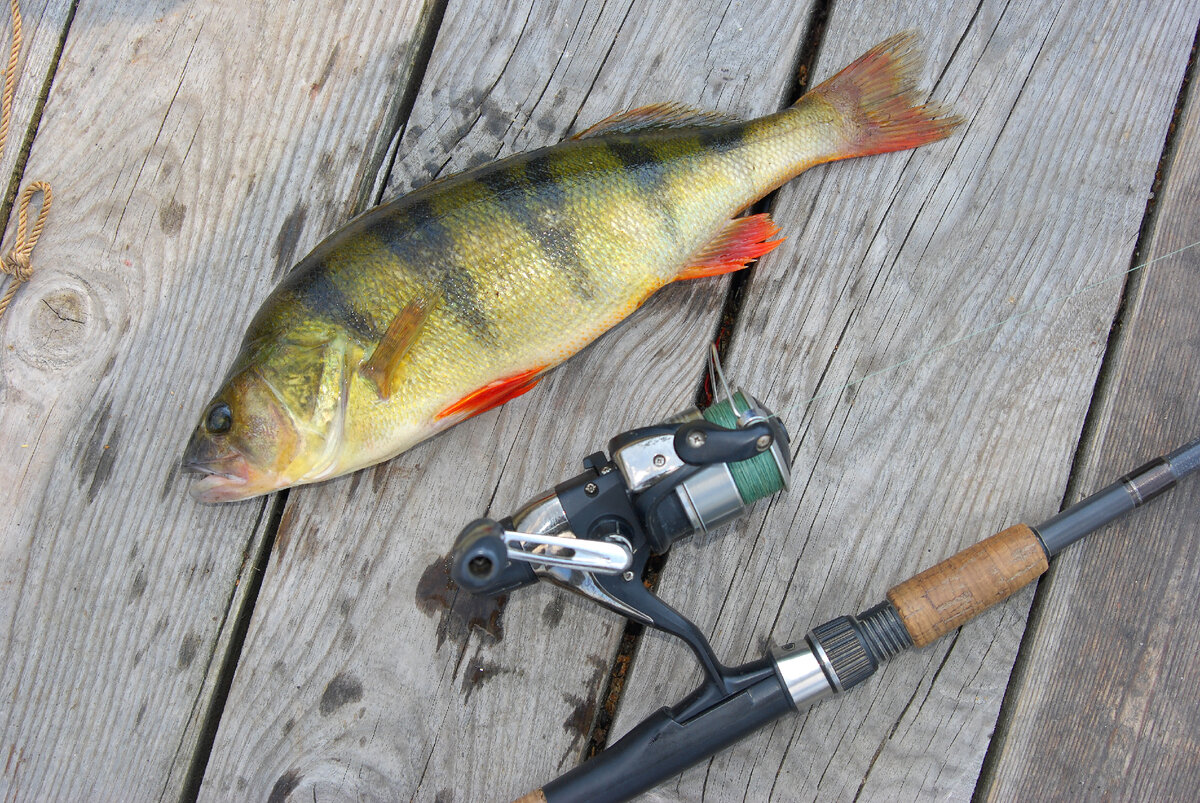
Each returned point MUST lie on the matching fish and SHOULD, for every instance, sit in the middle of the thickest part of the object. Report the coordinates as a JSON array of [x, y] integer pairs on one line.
[[455, 298]]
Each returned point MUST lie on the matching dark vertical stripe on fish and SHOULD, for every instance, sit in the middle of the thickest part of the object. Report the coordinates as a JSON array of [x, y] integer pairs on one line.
[[313, 288], [645, 167], [650, 174], [425, 245], [531, 193], [724, 139]]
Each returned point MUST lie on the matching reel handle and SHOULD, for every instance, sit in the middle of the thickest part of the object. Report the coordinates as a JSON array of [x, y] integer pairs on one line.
[[480, 561]]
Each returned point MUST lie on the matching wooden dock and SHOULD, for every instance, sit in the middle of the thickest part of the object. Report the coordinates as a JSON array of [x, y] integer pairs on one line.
[[986, 290]]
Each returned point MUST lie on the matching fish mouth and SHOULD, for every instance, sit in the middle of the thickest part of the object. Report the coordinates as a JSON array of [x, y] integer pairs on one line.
[[224, 479]]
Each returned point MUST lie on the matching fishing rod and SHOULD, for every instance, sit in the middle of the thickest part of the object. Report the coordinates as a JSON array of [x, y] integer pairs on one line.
[[692, 473]]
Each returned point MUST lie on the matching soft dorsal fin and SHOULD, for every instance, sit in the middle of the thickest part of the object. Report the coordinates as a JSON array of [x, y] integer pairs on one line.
[[396, 341], [657, 115], [743, 240]]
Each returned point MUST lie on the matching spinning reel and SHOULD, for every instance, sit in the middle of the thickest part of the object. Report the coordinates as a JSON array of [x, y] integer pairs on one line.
[[659, 484]]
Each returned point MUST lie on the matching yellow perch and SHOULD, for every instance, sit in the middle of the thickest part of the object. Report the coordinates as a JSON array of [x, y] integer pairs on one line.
[[457, 297]]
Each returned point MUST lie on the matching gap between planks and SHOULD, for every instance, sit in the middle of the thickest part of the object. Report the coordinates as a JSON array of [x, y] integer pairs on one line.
[[242, 616], [631, 636], [35, 119], [1093, 424]]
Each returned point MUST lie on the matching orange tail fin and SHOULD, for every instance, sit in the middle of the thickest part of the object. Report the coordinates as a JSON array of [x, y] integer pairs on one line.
[[877, 100]]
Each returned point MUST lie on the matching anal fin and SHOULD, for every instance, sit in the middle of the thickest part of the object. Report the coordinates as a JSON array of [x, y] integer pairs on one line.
[[742, 240], [396, 342], [493, 394]]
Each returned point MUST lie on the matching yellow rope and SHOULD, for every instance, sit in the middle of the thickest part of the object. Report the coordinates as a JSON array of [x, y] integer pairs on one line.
[[17, 262]]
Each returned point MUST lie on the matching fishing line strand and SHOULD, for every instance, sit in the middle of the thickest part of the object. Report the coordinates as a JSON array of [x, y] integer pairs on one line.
[[990, 327]]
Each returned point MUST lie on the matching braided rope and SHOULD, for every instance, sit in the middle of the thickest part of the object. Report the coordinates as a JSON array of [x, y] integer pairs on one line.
[[17, 262]]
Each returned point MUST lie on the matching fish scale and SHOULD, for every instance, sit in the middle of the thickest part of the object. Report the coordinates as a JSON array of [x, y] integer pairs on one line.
[[457, 297]]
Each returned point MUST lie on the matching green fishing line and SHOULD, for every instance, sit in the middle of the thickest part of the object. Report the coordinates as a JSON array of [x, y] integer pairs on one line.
[[757, 477]]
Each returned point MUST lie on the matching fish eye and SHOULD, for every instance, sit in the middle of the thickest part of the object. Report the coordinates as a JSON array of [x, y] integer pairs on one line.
[[218, 419]]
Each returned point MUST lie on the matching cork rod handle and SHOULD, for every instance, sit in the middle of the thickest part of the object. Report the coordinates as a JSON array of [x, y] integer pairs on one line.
[[536, 796], [943, 597]]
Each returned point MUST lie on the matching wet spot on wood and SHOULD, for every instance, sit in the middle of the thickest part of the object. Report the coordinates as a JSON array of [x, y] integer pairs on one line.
[[287, 726], [578, 723], [137, 721], [583, 712], [552, 613], [139, 585], [283, 532], [170, 217], [96, 462], [188, 649], [438, 595], [355, 479], [415, 131], [288, 238], [496, 125], [108, 455], [343, 689], [286, 784], [169, 483], [348, 637], [444, 796], [583, 717], [433, 168], [91, 452], [850, 393], [477, 672], [325, 164], [478, 158]]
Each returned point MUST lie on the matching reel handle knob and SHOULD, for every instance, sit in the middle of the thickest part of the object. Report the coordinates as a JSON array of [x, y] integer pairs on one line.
[[481, 565]]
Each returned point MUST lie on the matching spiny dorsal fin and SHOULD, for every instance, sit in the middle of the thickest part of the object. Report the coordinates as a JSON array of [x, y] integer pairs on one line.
[[396, 341], [657, 115]]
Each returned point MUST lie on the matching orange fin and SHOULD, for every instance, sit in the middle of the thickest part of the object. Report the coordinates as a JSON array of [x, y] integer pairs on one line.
[[657, 115], [877, 99], [493, 394], [396, 341], [742, 240]]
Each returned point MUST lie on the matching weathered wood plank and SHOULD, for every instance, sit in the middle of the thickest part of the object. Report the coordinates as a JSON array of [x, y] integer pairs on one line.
[[1040, 194], [1106, 706], [345, 688], [43, 26], [194, 147]]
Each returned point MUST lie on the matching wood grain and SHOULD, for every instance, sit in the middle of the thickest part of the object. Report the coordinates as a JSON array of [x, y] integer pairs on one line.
[[1105, 704], [942, 598], [43, 28], [1041, 194], [197, 149], [194, 148], [356, 680]]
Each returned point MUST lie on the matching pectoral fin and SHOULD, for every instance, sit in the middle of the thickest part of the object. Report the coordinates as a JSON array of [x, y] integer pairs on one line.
[[401, 333], [493, 394], [742, 240]]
